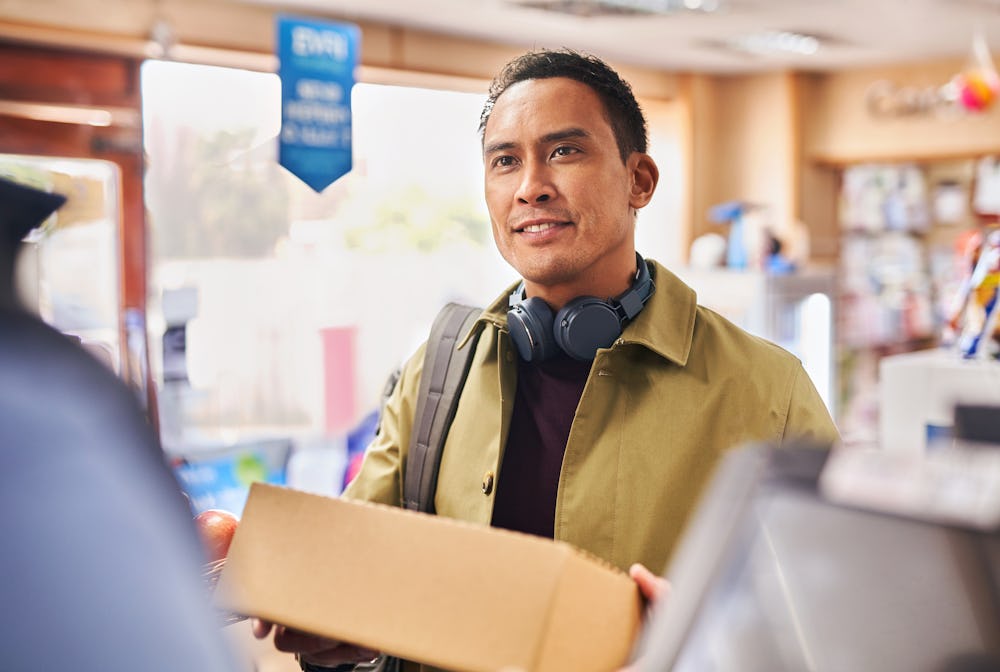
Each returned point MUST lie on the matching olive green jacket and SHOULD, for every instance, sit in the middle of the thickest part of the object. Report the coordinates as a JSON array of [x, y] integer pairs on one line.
[[680, 386]]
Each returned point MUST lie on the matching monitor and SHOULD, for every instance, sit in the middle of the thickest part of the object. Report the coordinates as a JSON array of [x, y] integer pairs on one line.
[[773, 576], [978, 423]]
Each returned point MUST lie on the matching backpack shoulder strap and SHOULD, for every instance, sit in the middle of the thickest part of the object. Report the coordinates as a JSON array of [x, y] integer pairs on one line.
[[445, 368]]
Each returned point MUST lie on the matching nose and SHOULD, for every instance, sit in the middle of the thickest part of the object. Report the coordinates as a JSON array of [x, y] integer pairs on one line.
[[536, 184]]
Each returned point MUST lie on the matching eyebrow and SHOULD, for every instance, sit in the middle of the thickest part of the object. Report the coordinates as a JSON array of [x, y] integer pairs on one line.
[[498, 147], [555, 136], [565, 135]]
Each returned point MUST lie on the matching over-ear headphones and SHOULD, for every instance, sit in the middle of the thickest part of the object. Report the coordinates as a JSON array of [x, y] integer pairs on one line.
[[581, 327]]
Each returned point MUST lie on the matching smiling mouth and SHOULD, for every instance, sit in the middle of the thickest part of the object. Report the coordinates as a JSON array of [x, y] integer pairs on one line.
[[540, 227]]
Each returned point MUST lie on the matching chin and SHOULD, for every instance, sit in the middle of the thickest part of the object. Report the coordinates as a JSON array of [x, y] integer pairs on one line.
[[548, 276]]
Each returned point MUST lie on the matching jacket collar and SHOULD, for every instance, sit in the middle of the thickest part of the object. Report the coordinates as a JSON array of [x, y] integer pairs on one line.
[[665, 325], [495, 314]]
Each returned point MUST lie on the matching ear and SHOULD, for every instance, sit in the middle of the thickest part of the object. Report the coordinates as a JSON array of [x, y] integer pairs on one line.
[[645, 175]]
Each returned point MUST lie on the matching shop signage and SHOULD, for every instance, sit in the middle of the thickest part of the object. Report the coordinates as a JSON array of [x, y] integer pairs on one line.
[[888, 100], [972, 90], [316, 67]]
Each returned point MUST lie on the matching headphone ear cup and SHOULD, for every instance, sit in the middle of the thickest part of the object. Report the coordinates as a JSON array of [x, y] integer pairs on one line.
[[584, 325], [530, 326]]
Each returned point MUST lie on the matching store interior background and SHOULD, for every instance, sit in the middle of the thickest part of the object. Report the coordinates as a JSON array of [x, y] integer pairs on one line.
[[258, 319]]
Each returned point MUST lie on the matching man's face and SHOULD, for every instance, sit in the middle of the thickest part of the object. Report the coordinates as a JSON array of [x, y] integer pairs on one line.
[[558, 193]]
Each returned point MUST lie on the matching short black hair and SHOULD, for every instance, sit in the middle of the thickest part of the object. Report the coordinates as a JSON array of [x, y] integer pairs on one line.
[[624, 114]]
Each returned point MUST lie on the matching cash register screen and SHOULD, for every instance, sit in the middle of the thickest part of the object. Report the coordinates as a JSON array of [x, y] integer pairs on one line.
[[802, 584]]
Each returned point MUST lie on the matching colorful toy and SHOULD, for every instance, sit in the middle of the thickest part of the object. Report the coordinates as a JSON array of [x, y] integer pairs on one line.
[[978, 84], [967, 249], [981, 325], [977, 89]]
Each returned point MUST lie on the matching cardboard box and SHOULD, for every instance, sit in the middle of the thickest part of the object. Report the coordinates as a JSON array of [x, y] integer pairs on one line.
[[433, 590]]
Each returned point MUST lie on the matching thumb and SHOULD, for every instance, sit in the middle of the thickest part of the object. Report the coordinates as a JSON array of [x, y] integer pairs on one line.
[[650, 585]]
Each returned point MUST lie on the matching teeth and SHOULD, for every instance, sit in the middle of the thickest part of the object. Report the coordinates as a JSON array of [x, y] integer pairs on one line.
[[538, 228]]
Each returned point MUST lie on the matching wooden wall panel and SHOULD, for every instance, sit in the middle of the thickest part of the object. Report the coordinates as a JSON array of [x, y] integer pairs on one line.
[[47, 75]]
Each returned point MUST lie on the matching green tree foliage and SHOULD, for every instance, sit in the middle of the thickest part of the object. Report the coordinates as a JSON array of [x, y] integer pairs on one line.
[[215, 196], [413, 219]]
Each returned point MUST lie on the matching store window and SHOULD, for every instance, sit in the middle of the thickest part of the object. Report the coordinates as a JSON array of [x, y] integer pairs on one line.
[[67, 271], [277, 311]]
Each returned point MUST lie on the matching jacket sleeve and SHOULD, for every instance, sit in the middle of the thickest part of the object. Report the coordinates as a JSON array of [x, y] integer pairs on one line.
[[380, 478], [808, 418]]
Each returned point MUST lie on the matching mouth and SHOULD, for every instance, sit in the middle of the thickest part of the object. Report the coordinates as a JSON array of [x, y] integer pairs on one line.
[[539, 226]]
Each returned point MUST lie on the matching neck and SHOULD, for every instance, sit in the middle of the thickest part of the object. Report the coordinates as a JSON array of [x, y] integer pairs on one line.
[[604, 283]]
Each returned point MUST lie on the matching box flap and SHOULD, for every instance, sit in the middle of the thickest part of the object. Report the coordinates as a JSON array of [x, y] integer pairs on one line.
[[590, 597]]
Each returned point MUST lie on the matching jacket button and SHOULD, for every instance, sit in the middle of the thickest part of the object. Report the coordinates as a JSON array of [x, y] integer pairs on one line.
[[488, 483]]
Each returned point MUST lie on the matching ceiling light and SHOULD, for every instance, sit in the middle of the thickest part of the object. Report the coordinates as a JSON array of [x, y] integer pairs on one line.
[[664, 6], [702, 5], [777, 41], [589, 8]]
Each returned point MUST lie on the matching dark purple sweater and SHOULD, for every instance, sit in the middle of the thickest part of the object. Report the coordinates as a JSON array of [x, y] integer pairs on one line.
[[546, 400]]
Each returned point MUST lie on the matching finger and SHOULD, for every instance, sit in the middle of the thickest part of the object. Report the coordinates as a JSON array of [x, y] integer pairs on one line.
[[296, 641], [260, 627], [342, 653], [650, 585]]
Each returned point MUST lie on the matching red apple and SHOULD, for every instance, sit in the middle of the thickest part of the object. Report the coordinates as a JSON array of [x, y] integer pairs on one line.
[[216, 528]]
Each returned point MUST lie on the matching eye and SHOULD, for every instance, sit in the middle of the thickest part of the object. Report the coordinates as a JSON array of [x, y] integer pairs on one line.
[[564, 150], [503, 161]]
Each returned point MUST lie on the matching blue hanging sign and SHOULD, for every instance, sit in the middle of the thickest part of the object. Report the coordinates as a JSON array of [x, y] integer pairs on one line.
[[317, 61]]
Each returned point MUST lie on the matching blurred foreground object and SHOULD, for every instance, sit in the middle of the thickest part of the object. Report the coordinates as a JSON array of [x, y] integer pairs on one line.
[[850, 559], [101, 562]]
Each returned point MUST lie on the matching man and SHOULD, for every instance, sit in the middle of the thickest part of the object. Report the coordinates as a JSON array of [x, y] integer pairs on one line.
[[568, 428], [101, 562]]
